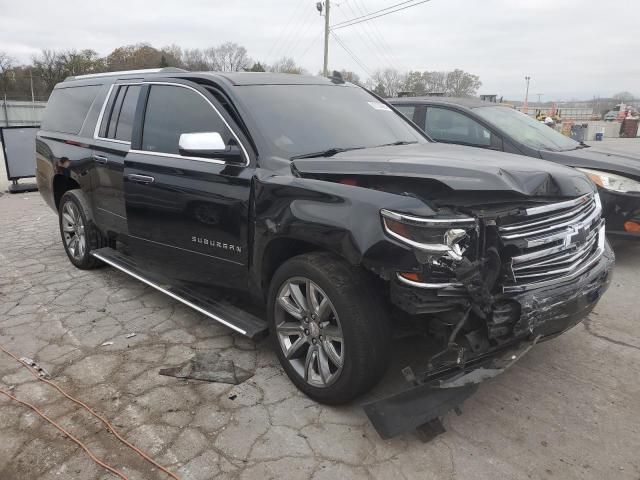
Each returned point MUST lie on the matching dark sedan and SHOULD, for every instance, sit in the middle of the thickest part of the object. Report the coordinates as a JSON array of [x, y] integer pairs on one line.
[[475, 123]]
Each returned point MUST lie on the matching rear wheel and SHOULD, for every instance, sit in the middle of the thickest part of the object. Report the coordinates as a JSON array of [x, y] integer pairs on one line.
[[328, 327], [79, 235]]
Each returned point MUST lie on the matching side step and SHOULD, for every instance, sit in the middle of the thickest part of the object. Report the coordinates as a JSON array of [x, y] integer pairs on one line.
[[223, 312]]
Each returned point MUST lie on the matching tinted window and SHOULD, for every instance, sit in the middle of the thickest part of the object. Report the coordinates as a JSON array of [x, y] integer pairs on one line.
[[68, 107], [449, 126], [406, 110], [127, 112], [302, 119], [172, 111], [114, 111], [525, 129]]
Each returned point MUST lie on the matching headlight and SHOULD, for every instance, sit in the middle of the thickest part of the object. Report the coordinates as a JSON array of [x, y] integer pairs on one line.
[[439, 236], [611, 181]]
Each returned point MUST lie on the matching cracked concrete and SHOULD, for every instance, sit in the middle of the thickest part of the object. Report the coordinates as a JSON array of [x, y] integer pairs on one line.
[[568, 410]]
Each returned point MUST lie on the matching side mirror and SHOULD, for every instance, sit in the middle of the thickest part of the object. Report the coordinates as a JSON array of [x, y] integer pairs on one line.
[[208, 145]]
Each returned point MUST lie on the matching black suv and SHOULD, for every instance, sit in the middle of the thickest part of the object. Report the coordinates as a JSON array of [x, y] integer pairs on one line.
[[327, 207]]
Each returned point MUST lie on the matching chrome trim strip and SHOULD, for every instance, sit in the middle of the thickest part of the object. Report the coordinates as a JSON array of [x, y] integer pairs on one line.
[[113, 74], [586, 218], [187, 250], [596, 256], [104, 107], [244, 150], [557, 206], [568, 256], [427, 247], [426, 285], [423, 220], [174, 155], [528, 224], [167, 292]]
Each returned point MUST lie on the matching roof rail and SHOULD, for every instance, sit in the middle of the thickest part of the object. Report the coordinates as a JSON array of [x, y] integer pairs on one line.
[[127, 72]]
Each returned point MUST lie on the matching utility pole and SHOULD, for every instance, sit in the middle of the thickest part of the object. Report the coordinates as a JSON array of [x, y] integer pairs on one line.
[[525, 108], [327, 7]]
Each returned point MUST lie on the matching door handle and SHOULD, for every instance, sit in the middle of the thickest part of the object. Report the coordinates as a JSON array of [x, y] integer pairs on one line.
[[100, 159], [144, 179]]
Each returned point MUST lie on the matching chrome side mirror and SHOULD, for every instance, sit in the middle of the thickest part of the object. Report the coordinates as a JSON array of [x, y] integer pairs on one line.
[[202, 144]]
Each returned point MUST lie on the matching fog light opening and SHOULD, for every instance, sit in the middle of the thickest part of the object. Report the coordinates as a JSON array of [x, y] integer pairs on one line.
[[632, 226]]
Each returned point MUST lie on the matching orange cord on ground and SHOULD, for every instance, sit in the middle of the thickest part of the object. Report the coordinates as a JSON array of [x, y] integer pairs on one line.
[[87, 408], [80, 444]]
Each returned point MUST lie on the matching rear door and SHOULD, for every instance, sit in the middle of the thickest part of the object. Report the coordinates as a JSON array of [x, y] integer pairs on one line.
[[188, 216], [111, 146]]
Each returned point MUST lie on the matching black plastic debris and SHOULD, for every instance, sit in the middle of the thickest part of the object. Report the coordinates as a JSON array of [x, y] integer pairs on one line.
[[210, 367]]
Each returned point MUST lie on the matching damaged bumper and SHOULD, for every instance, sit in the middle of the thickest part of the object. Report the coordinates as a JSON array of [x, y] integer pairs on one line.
[[543, 314]]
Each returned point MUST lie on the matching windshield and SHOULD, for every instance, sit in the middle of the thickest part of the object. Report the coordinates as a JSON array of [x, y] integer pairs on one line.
[[304, 119], [525, 129]]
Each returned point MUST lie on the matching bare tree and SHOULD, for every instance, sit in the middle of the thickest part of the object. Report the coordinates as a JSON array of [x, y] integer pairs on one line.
[[350, 76], [6, 69], [462, 84], [390, 80], [228, 57], [623, 96], [286, 65], [49, 66], [195, 60]]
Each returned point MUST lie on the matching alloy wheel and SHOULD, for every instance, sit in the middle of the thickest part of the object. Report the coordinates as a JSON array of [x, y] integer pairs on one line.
[[309, 332], [73, 230]]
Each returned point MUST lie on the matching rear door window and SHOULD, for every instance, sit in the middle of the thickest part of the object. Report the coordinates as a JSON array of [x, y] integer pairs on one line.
[[67, 108], [172, 111], [445, 125], [117, 121]]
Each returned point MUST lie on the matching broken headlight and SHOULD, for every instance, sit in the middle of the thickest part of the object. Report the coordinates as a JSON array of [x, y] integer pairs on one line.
[[611, 181], [442, 237]]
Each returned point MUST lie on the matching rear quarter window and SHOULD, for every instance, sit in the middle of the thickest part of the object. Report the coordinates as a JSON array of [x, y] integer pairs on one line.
[[68, 107]]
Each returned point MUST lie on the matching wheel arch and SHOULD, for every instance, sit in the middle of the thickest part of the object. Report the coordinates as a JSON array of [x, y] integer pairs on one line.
[[278, 251], [61, 184]]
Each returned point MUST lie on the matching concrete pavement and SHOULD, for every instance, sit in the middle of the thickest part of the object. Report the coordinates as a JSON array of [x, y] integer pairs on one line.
[[570, 409]]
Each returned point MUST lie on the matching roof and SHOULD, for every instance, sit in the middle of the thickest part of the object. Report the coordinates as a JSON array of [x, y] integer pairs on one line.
[[267, 78], [469, 102]]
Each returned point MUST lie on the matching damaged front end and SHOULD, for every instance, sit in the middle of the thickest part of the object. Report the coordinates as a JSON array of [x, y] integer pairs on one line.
[[490, 282]]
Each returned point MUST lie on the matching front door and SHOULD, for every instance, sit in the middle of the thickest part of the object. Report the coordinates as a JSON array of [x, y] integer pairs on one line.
[[187, 215]]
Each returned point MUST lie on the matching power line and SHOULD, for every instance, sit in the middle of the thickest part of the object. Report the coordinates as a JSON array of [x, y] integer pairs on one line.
[[373, 13], [281, 36], [304, 26], [350, 53], [371, 16], [378, 34], [371, 45]]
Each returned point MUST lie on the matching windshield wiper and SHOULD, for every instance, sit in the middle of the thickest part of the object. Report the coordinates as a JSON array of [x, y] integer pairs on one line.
[[400, 142], [330, 152]]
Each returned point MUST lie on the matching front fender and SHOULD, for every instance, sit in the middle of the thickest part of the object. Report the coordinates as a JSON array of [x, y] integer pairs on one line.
[[339, 218]]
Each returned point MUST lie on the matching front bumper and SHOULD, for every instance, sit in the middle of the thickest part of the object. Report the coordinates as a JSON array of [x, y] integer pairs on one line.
[[544, 314]]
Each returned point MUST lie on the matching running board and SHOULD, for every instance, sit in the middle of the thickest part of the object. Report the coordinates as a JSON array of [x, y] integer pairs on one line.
[[220, 311]]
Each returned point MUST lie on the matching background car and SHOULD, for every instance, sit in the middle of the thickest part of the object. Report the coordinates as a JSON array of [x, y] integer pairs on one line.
[[472, 122]]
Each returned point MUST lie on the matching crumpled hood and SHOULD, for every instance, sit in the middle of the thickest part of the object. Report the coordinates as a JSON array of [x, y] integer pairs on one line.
[[460, 168], [598, 159]]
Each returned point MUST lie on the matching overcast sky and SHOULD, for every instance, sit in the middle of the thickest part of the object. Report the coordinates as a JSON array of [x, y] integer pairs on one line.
[[570, 48]]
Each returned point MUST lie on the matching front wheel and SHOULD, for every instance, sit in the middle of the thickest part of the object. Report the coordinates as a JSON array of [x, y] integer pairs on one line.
[[328, 326]]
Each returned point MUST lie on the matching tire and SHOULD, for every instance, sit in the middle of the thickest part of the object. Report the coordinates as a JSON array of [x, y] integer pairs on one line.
[[79, 234], [348, 336]]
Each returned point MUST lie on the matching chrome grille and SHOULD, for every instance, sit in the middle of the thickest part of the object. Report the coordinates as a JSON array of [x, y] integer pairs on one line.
[[552, 243]]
